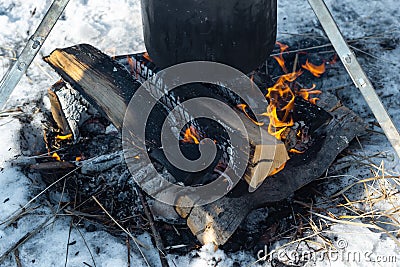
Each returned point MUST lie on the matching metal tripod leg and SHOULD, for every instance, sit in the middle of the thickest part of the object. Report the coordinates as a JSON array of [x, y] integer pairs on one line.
[[356, 72], [14, 74]]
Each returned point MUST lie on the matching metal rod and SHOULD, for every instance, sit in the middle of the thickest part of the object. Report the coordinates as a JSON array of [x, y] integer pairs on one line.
[[35, 42], [356, 72]]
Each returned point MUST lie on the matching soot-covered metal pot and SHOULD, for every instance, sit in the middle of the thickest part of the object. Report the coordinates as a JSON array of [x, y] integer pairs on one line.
[[240, 33]]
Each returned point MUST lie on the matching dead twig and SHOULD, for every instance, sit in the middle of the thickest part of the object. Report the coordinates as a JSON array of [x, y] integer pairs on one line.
[[68, 243], [25, 238], [301, 50], [86, 244], [296, 61], [128, 246], [360, 182], [373, 56], [17, 259], [329, 44], [19, 215], [156, 234], [11, 112], [366, 225], [135, 240], [21, 210]]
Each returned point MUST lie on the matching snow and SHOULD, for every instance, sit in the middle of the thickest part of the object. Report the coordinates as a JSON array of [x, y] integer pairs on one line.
[[114, 26]]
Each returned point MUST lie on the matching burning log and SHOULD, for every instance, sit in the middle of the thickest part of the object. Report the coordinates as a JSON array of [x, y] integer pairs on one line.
[[109, 87]]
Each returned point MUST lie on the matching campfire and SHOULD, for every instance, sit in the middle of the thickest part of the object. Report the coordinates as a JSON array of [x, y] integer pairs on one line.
[[298, 117]]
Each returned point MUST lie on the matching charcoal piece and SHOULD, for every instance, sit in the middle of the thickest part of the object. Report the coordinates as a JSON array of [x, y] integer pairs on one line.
[[312, 115]]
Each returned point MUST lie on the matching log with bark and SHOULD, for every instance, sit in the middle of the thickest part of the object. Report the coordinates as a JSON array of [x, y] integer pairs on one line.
[[109, 86]]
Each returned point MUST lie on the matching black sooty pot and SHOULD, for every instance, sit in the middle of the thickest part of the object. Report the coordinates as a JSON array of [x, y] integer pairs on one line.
[[240, 33]]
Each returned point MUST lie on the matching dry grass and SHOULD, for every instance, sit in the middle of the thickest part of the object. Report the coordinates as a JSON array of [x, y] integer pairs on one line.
[[372, 203]]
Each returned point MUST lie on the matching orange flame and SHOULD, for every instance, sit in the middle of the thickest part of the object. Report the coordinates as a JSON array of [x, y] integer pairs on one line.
[[305, 93], [131, 64], [281, 103], [56, 156], [64, 137], [315, 70], [279, 58], [293, 150], [146, 56], [78, 158], [191, 136], [242, 107], [276, 170]]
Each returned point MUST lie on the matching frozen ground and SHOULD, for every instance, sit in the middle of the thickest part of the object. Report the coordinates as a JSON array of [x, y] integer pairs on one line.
[[363, 220]]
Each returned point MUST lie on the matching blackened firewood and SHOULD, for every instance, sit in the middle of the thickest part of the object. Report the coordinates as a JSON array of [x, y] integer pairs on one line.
[[108, 86], [312, 116]]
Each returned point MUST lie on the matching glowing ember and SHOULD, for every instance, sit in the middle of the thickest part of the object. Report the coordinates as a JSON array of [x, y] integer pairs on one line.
[[242, 107], [315, 70], [78, 159], [191, 136], [64, 137], [279, 58], [56, 156]]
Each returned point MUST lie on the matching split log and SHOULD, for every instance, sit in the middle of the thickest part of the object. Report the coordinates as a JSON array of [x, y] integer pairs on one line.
[[109, 87]]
